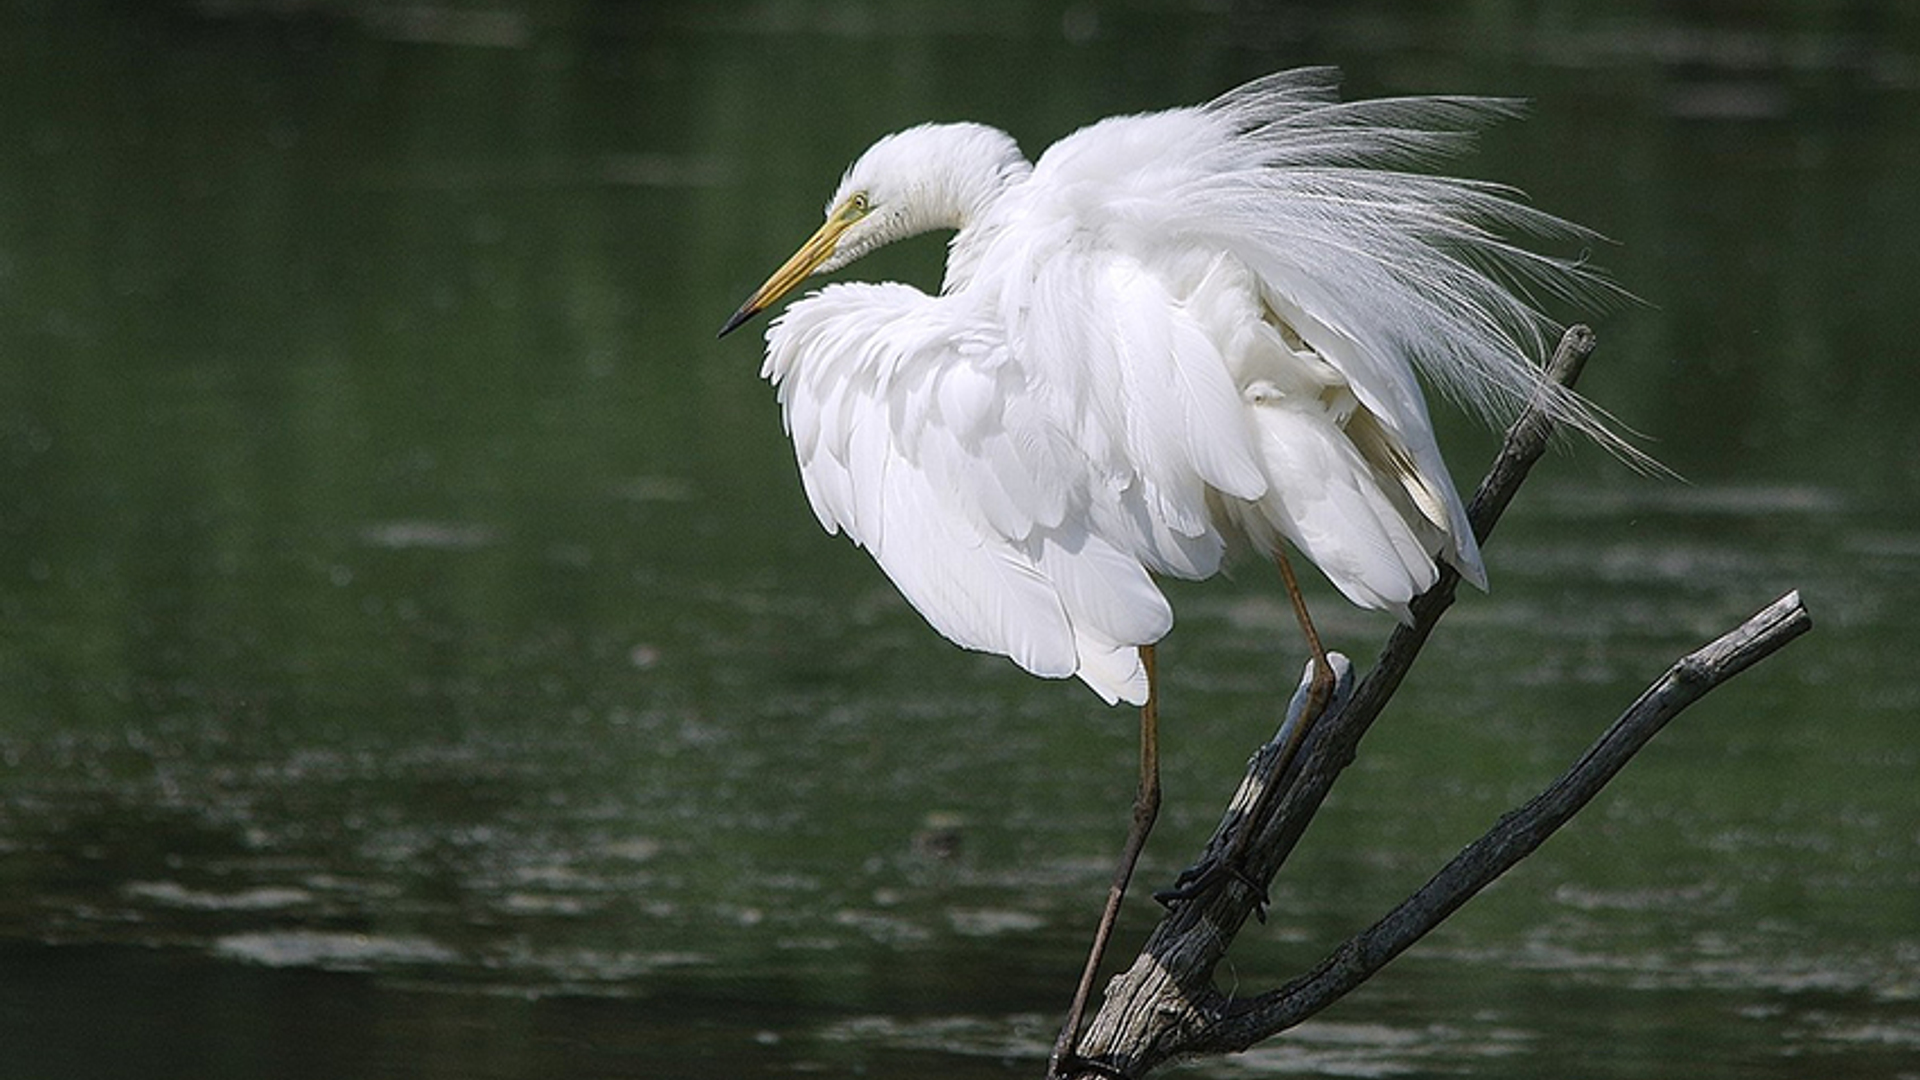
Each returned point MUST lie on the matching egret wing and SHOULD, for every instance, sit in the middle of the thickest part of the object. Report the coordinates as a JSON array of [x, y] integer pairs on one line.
[[1378, 272], [922, 437]]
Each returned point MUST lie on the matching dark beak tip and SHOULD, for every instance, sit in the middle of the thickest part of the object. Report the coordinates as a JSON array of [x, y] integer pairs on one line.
[[747, 311]]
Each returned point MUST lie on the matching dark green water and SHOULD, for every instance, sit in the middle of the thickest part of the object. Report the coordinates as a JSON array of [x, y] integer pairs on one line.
[[417, 657]]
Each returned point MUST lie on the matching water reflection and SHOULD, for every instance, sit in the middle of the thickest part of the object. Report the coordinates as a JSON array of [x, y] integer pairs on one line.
[[414, 645]]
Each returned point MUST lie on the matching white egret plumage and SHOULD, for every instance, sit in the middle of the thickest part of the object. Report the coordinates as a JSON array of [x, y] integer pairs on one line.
[[1173, 333]]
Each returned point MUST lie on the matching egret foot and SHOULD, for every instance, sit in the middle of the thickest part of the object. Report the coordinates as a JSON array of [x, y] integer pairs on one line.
[[1322, 689], [1204, 876]]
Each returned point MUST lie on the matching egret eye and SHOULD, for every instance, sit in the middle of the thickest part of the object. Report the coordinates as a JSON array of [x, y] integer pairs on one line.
[[859, 204]]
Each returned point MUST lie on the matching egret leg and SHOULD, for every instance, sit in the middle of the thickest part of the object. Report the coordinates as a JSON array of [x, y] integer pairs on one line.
[[1198, 879], [1322, 689], [1146, 807]]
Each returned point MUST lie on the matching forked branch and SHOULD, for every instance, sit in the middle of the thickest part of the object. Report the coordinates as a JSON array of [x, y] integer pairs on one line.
[[1165, 1004]]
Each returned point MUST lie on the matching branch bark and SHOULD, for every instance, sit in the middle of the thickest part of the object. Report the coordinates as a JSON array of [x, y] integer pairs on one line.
[[1165, 1004]]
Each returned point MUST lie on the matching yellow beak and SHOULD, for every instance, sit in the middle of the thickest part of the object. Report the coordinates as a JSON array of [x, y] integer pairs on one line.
[[792, 272]]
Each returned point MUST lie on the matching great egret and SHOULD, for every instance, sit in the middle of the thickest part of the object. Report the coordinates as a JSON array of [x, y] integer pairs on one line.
[[1174, 333]]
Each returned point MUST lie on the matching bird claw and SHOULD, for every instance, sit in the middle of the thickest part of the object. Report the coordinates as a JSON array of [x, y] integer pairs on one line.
[[1322, 687], [1202, 878]]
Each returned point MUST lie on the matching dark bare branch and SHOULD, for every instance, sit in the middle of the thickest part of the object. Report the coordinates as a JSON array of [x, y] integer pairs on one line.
[[1515, 836]]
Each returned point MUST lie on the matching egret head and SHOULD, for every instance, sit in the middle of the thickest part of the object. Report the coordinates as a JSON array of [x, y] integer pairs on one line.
[[935, 176]]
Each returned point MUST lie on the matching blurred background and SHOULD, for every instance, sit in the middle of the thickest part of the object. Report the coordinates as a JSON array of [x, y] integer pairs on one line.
[[417, 657]]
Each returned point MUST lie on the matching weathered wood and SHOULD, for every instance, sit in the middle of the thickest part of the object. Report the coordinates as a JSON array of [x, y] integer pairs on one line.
[[1513, 837]]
